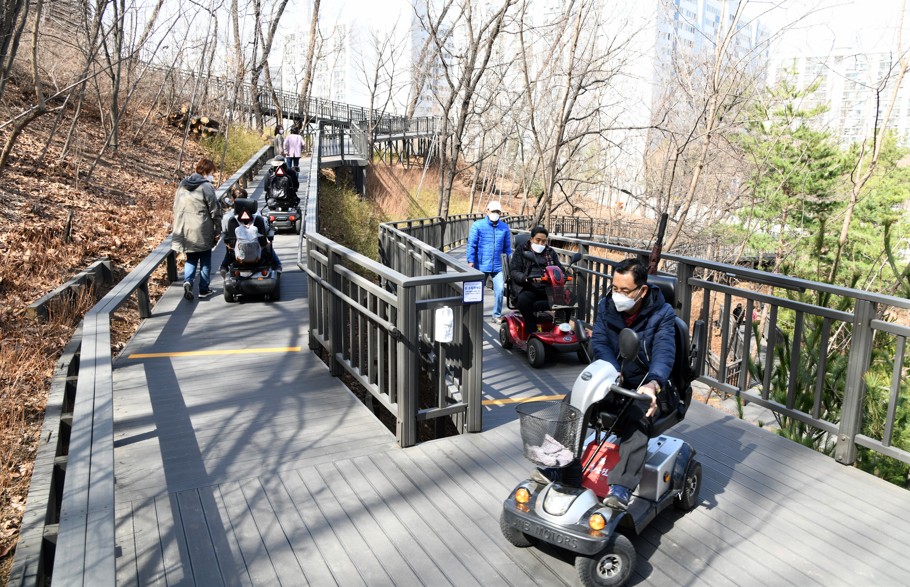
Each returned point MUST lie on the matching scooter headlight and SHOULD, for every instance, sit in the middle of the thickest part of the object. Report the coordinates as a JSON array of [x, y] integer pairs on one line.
[[522, 495], [557, 503], [565, 327], [597, 522]]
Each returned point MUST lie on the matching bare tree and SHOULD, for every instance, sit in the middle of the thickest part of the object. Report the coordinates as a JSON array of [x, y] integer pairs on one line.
[[309, 61], [462, 73], [12, 21]]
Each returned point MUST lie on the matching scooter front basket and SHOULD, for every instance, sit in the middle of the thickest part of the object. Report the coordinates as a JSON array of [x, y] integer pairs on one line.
[[549, 432]]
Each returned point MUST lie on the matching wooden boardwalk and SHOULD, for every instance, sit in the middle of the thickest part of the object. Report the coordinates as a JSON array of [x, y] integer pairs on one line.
[[240, 461]]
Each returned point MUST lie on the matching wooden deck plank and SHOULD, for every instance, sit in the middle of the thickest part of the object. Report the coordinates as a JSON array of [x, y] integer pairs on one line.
[[344, 524], [149, 560], [227, 550], [355, 506], [200, 543], [397, 535], [255, 554], [427, 538], [315, 570], [442, 489], [273, 537], [126, 572], [343, 569], [463, 550], [174, 553]]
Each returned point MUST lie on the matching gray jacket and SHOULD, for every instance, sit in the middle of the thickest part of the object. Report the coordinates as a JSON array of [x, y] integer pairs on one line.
[[197, 216]]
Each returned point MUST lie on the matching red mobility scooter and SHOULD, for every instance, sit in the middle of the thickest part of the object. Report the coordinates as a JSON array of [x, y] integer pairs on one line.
[[557, 328]]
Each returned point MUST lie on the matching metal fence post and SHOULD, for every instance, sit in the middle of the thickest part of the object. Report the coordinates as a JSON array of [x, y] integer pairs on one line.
[[684, 272], [408, 363], [854, 390], [471, 374], [335, 315]]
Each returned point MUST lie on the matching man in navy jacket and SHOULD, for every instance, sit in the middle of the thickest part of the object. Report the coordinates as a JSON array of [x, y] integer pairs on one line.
[[632, 304], [488, 240]]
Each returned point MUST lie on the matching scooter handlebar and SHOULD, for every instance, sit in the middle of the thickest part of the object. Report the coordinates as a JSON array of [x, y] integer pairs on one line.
[[629, 393]]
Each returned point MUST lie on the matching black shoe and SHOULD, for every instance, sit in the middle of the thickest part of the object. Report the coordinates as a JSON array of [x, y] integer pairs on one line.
[[204, 293], [188, 290]]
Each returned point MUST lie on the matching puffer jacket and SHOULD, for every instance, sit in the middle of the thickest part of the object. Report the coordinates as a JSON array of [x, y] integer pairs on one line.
[[487, 243], [655, 325], [197, 216], [525, 264]]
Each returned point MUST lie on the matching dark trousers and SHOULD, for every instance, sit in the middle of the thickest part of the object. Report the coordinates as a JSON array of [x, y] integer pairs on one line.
[[633, 430], [532, 299]]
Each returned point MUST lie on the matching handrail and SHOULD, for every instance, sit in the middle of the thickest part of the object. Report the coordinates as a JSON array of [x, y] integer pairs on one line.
[[594, 274], [85, 542]]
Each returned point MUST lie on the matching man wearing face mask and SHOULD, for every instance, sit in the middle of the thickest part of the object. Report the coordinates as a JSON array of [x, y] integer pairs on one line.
[[488, 240], [632, 304], [526, 267], [197, 226]]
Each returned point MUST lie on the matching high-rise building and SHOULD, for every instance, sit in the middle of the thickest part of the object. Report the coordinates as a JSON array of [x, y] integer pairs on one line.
[[855, 87]]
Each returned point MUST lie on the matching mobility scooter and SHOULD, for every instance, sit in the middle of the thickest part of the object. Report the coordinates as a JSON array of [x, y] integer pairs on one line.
[[575, 518], [557, 330], [282, 205], [251, 271]]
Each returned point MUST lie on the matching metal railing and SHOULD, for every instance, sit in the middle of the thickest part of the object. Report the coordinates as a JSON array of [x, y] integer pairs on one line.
[[788, 348], [376, 322], [246, 95], [801, 331], [68, 528]]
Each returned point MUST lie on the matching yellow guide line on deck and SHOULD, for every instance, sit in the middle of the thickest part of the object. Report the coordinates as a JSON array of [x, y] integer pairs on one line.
[[520, 400], [283, 349]]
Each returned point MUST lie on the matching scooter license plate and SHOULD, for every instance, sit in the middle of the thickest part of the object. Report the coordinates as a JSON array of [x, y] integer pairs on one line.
[[544, 533]]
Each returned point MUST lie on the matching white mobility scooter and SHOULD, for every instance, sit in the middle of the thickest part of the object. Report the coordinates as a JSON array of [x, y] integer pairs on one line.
[[574, 517]]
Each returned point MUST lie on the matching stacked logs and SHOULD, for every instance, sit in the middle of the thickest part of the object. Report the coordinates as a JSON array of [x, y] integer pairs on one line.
[[199, 125]]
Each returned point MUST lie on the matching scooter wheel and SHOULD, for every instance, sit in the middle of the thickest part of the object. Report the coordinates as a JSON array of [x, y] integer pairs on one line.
[[537, 353], [611, 567], [515, 537], [298, 226], [505, 339], [229, 297], [688, 499]]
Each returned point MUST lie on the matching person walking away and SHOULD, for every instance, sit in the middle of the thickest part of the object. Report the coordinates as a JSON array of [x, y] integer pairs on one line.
[[293, 147], [279, 139], [197, 226], [488, 239]]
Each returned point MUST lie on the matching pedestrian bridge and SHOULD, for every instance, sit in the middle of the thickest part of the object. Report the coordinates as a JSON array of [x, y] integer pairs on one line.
[[217, 448]]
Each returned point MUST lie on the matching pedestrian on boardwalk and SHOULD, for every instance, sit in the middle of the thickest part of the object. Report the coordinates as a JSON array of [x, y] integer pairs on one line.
[[293, 147], [279, 139], [488, 240], [197, 226]]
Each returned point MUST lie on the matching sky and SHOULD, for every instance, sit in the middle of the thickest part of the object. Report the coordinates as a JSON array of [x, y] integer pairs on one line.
[[816, 27]]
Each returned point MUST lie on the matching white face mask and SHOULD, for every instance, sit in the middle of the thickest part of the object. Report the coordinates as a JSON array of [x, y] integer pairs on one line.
[[494, 217], [623, 302], [210, 178], [537, 248]]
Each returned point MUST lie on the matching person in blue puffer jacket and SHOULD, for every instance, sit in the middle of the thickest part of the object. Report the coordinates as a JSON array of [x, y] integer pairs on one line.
[[632, 304], [488, 240]]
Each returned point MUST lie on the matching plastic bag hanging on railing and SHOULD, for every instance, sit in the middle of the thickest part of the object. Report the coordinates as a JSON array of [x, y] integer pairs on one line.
[[445, 325]]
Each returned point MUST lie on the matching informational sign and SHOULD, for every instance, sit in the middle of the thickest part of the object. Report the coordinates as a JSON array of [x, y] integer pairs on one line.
[[473, 292]]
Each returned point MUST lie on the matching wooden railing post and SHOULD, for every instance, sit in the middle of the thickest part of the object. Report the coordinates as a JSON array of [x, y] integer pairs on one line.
[[854, 390]]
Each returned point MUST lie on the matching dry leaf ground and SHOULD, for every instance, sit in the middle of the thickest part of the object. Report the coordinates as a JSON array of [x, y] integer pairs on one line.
[[121, 212]]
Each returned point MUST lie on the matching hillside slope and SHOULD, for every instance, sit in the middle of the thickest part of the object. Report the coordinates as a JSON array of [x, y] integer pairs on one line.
[[58, 221]]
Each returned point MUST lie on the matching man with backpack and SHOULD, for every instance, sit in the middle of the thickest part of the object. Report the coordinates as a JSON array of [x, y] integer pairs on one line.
[[281, 184], [197, 226]]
